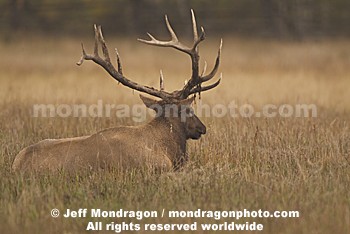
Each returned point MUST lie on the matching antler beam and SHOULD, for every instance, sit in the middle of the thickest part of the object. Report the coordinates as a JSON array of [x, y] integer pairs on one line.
[[116, 74], [193, 86], [196, 80]]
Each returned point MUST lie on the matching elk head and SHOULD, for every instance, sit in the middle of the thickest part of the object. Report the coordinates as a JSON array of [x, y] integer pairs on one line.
[[179, 112], [176, 104]]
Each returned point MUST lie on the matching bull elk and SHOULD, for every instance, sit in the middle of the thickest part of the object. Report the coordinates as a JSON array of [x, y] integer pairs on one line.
[[159, 144]]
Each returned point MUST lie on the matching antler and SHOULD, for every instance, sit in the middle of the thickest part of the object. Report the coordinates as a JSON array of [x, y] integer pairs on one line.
[[116, 74], [191, 87], [194, 84]]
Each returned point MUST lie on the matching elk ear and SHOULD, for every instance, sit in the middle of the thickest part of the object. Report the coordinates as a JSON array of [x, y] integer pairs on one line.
[[187, 102], [150, 103]]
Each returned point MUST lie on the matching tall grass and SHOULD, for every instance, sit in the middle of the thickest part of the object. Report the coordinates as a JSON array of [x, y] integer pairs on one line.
[[242, 163]]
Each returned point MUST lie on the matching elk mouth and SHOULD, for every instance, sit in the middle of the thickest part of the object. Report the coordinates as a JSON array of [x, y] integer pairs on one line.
[[198, 134]]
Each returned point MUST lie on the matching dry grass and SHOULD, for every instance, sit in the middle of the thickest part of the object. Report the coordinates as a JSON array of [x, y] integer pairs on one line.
[[257, 163]]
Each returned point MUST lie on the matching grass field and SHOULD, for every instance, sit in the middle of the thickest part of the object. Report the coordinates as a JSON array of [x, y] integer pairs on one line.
[[241, 163]]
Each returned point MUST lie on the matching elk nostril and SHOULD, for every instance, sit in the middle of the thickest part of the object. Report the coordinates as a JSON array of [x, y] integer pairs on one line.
[[202, 130]]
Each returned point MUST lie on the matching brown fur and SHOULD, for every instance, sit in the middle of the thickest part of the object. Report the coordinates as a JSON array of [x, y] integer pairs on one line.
[[159, 145]]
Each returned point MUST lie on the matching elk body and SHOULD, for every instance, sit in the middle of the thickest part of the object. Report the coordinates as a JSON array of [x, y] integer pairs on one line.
[[159, 144]]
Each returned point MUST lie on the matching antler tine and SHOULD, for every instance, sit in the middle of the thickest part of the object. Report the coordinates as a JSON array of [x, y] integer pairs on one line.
[[194, 25], [216, 66], [199, 89], [204, 68], [196, 39], [161, 81], [119, 63], [103, 44], [96, 40], [83, 56], [171, 30], [174, 42], [152, 37], [201, 38]]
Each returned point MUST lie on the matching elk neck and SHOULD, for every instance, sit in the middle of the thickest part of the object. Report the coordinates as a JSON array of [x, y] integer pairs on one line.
[[171, 134]]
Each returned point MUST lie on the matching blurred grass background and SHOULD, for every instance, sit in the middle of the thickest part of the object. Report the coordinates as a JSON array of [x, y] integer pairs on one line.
[[241, 163], [296, 19]]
